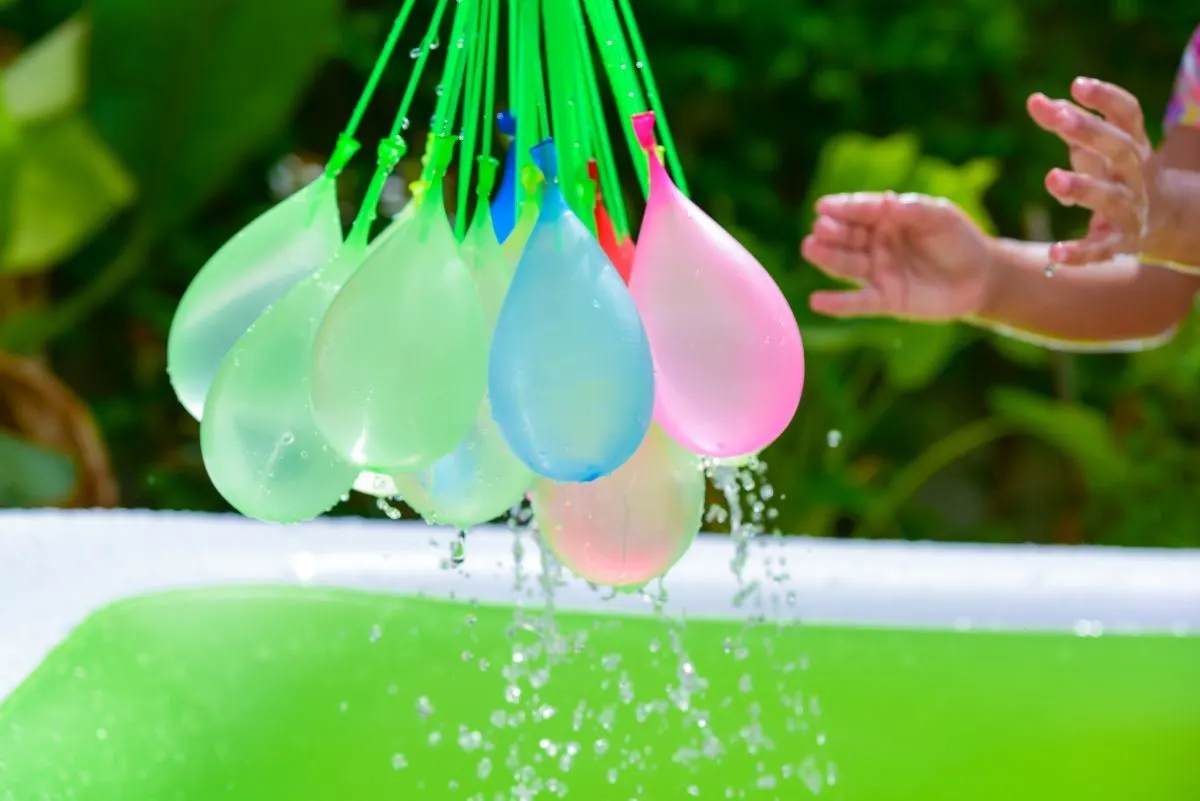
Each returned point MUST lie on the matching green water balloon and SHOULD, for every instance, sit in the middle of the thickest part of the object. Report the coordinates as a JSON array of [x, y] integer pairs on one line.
[[261, 445], [481, 478], [250, 272], [400, 362]]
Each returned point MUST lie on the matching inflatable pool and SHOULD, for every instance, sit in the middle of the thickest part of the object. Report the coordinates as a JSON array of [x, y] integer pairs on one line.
[[164, 657]]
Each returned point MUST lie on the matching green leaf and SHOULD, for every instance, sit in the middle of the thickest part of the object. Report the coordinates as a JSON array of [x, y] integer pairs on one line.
[[32, 476], [9, 138], [1078, 431], [853, 162], [920, 352], [185, 91], [48, 78], [68, 185], [964, 185]]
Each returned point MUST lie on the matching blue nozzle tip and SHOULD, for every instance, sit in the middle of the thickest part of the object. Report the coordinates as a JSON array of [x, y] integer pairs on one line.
[[545, 158]]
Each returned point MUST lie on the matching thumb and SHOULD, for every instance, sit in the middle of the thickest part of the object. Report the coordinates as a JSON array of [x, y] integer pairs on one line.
[[864, 302], [922, 214]]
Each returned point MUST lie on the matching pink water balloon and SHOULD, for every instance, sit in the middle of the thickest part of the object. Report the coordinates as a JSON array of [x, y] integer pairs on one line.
[[631, 526], [729, 362]]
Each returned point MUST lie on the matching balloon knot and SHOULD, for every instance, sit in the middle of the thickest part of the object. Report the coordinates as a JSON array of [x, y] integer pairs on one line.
[[507, 123], [343, 151], [643, 128], [391, 151]]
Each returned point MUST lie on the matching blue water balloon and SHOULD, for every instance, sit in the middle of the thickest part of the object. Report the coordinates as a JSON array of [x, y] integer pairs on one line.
[[504, 205], [570, 377]]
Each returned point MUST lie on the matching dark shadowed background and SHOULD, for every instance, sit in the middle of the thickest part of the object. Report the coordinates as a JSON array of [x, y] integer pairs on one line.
[[144, 133]]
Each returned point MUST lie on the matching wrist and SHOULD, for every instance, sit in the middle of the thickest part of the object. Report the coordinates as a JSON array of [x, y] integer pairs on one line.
[[1002, 257], [1169, 239]]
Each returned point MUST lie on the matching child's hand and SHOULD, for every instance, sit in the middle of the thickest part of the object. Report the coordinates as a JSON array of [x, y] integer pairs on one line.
[[1112, 170], [911, 255]]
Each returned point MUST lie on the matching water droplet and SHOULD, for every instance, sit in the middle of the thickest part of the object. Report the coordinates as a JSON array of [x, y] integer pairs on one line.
[[424, 707], [375, 635], [440, 90], [458, 549], [399, 762], [1051, 269], [833, 438], [485, 768], [101, 734], [287, 439], [415, 52], [404, 124]]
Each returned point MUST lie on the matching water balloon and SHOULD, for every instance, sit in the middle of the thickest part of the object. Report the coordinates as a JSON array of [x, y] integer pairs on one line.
[[250, 272], [400, 363], [631, 526], [480, 479], [504, 206], [514, 246], [261, 445], [727, 351], [571, 380], [618, 249]]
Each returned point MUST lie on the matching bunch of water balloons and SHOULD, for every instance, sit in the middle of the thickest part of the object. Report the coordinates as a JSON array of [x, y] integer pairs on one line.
[[529, 349]]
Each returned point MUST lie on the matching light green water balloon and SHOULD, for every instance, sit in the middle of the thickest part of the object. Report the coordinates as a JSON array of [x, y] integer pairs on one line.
[[253, 270], [481, 478], [400, 363], [261, 446], [514, 245]]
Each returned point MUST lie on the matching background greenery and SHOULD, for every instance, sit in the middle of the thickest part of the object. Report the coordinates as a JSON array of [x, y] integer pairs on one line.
[[137, 135]]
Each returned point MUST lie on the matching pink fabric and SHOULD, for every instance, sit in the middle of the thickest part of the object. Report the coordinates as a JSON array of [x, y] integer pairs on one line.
[[1184, 108]]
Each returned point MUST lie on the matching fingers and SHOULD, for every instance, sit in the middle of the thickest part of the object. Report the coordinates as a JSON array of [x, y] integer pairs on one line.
[[1117, 105], [1079, 128], [916, 212], [1115, 201], [843, 234], [834, 260], [1089, 163], [1087, 251], [858, 208], [867, 301]]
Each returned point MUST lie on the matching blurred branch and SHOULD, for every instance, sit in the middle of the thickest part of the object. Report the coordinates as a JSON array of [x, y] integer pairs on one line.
[[33, 332], [929, 463]]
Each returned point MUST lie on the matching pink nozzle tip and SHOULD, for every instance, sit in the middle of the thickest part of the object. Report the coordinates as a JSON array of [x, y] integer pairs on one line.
[[593, 170], [643, 128]]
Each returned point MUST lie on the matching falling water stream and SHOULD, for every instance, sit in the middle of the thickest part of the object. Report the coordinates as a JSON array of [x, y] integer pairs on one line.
[[540, 767]]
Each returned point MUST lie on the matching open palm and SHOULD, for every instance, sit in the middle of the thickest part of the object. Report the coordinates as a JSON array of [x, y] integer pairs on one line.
[[910, 256]]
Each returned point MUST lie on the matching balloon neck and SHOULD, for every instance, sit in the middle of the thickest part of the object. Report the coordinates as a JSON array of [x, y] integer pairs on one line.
[[390, 152], [443, 153], [545, 157], [487, 175], [345, 149], [643, 129], [554, 205], [506, 121]]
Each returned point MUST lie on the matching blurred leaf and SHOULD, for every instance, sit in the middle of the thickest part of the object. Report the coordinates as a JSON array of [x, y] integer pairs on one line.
[[68, 185], [9, 138], [920, 352], [852, 162], [1019, 352], [185, 91], [48, 78], [965, 185], [32, 476], [1078, 431]]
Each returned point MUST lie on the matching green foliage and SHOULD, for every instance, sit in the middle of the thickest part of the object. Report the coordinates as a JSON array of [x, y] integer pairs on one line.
[[186, 90], [150, 127], [32, 476]]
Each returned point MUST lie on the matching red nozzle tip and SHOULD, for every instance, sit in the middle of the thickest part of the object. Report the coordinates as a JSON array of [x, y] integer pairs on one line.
[[593, 170]]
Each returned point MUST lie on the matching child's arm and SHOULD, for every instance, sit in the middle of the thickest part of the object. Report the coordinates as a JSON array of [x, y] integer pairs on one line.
[[922, 258], [1119, 304]]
